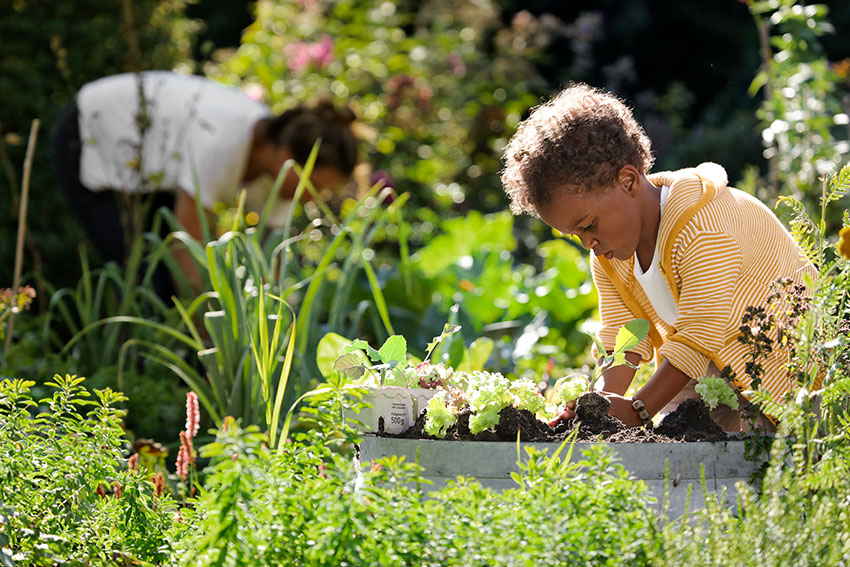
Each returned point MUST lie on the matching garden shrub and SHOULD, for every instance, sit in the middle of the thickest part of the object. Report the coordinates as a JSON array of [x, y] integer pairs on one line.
[[67, 495], [307, 506]]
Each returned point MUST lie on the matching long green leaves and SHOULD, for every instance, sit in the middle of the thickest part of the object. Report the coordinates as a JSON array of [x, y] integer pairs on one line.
[[250, 338]]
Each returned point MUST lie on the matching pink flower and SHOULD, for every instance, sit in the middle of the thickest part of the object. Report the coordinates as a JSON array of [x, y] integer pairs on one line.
[[298, 54], [193, 415], [255, 91], [302, 54], [321, 52], [185, 455], [158, 484]]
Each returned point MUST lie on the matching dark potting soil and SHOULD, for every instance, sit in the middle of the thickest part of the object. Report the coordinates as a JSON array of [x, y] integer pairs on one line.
[[690, 422]]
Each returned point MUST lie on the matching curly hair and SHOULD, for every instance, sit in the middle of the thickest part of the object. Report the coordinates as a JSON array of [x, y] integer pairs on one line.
[[579, 139]]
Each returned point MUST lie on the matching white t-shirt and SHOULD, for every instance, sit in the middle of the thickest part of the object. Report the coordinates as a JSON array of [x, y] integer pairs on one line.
[[654, 283], [196, 128]]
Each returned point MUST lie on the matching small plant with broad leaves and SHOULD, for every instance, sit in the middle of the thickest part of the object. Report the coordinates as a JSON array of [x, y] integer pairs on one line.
[[569, 388], [391, 363]]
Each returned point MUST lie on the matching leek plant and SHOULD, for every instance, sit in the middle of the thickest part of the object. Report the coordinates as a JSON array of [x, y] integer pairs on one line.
[[247, 346]]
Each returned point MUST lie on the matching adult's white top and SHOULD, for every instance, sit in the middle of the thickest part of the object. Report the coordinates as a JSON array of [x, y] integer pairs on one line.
[[197, 134]]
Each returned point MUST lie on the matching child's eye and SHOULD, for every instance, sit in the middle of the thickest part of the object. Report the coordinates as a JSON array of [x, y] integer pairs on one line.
[[589, 227]]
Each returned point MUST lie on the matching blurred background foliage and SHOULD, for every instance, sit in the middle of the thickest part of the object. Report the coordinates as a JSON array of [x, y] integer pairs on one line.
[[762, 87], [440, 84]]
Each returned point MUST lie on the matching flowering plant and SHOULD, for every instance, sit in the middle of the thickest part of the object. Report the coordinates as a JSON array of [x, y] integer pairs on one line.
[[12, 302]]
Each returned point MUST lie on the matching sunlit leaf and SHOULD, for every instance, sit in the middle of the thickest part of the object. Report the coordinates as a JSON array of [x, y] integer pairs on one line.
[[351, 364], [394, 349], [631, 334]]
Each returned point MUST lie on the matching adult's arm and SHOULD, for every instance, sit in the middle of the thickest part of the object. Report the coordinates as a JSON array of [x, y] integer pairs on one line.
[[186, 212]]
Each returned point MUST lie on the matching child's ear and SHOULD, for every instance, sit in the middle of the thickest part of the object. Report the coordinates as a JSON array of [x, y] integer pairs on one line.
[[629, 179]]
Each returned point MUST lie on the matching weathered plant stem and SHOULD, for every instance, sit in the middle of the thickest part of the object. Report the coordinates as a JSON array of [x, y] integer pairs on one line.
[[22, 225]]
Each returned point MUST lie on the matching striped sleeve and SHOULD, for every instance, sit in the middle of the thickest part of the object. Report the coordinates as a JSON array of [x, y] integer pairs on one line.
[[614, 313], [709, 267]]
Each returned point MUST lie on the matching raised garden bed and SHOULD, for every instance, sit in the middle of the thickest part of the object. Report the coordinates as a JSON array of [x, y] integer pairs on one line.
[[686, 445], [491, 463]]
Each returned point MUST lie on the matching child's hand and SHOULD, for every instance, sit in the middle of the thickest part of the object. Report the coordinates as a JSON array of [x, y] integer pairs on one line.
[[621, 408], [566, 415]]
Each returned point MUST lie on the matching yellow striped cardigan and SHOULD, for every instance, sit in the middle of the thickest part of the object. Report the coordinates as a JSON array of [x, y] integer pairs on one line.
[[720, 251]]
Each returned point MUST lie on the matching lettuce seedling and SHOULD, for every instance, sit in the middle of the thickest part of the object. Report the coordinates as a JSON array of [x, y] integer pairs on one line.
[[526, 396], [439, 416], [716, 391], [569, 388]]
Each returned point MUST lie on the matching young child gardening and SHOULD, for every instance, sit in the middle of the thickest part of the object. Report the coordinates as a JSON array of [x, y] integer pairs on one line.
[[681, 249]]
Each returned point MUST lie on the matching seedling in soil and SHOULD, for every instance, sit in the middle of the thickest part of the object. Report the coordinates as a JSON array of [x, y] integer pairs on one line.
[[570, 388], [391, 360]]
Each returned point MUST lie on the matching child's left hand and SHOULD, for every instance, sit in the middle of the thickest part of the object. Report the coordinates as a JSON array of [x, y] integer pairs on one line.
[[621, 408]]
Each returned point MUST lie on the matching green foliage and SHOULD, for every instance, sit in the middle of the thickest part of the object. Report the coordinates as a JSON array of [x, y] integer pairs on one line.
[[66, 495], [531, 311], [569, 388], [439, 97], [803, 115], [392, 365], [526, 395], [110, 291], [336, 515], [392, 356]]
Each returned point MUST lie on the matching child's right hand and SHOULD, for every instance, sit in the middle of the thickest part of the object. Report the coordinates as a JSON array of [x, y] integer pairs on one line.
[[566, 415]]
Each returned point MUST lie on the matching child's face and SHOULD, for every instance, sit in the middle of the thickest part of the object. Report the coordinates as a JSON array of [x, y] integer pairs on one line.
[[607, 221]]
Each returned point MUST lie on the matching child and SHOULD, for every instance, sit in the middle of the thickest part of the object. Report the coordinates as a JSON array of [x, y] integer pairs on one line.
[[170, 136], [680, 249]]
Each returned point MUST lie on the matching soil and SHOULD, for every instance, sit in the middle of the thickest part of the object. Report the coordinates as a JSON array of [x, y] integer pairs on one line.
[[690, 422]]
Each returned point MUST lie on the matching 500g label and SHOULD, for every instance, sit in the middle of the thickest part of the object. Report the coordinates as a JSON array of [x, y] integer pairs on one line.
[[396, 418]]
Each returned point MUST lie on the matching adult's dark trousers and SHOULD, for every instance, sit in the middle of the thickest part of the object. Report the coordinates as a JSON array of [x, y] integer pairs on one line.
[[99, 212]]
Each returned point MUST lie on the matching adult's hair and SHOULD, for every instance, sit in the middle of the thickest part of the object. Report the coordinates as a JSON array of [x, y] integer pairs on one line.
[[298, 129], [577, 141]]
